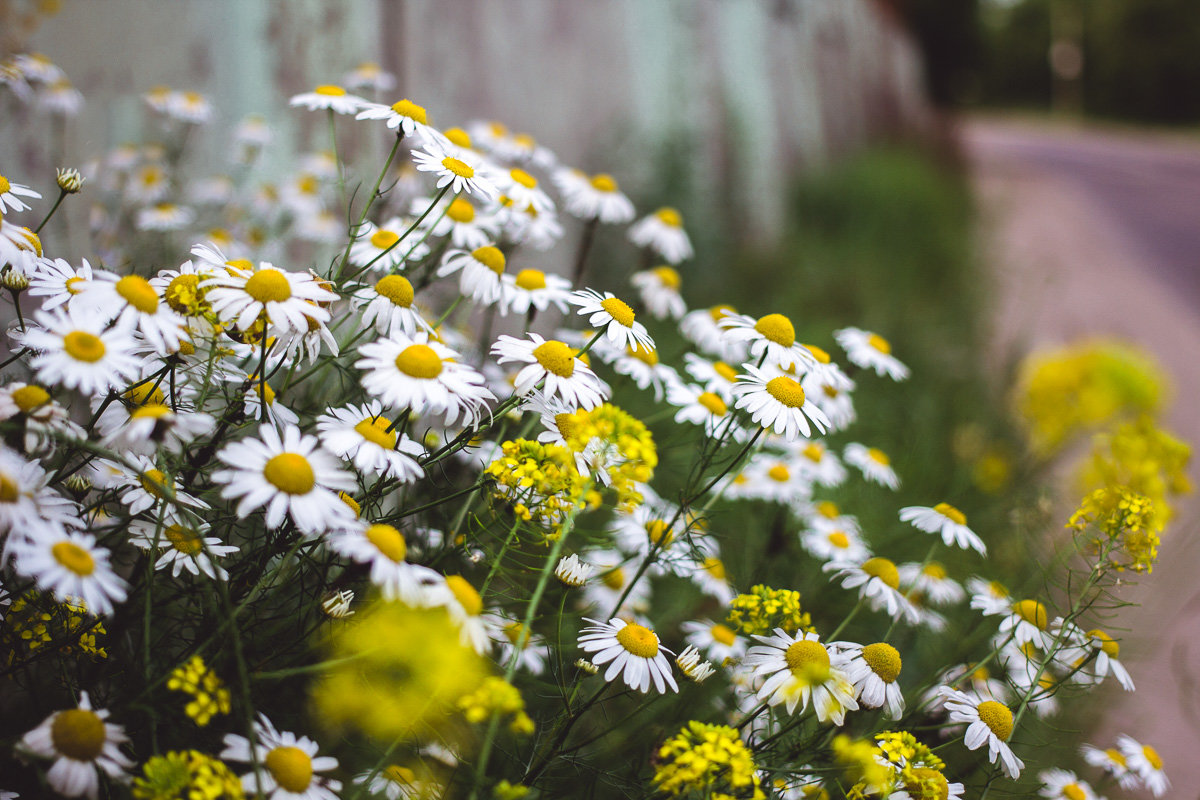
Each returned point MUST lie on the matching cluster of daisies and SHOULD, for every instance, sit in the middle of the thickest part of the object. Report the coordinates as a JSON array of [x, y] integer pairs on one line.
[[187, 441]]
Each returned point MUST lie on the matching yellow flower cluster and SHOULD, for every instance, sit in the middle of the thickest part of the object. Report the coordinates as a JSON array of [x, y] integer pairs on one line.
[[538, 480], [209, 695], [1064, 393], [915, 767], [621, 445], [764, 609], [708, 761], [863, 771], [1125, 518], [34, 622], [187, 775], [396, 672], [497, 696], [1141, 456]]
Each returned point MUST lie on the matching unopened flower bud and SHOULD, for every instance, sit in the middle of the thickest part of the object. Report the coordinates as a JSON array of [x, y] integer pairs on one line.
[[69, 180], [14, 279]]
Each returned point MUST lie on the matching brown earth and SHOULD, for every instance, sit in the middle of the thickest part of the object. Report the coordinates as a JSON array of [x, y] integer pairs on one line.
[[1097, 233]]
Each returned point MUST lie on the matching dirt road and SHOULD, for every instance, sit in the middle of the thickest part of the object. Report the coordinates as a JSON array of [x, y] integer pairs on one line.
[[1096, 233]]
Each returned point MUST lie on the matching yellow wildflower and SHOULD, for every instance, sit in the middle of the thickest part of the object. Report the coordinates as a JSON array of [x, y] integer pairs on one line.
[[707, 761], [764, 609]]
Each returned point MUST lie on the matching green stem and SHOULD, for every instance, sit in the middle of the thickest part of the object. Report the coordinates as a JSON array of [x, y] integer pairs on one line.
[[61, 194]]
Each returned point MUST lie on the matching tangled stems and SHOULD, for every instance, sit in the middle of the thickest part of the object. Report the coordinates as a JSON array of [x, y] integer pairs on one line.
[[366, 208]]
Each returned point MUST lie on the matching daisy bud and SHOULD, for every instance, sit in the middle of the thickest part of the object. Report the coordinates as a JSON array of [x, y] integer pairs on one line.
[[14, 279], [69, 180], [586, 666], [572, 571], [337, 605], [692, 666]]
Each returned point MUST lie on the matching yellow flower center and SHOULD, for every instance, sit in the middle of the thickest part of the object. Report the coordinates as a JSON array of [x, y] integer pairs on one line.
[[291, 768], [29, 397], [786, 391], [839, 540], [883, 569], [72, 285], [329, 90], [981, 674], [152, 479], [389, 541], [658, 533], [614, 578], [531, 279], [779, 473], [884, 660], [465, 594], [619, 311], [512, 632], [927, 784], [290, 473], [138, 292], [419, 361], [934, 570], [879, 343], [814, 452], [723, 634], [555, 357], [459, 168], [1032, 612], [879, 457], [83, 346], [32, 241], [78, 734], [668, 277], [714, 567], [524, 178], [669, 216], [819, 354], [490, 257], [407, 108], [997, 717], [1152, 756], [950, 512], [383, 239], [461, 210], [639, 640], [777, 328], [182, 291], [808, 659], [997, 589], [458, 136], [74, 558], [1107, 643], [648, 357], [713, 403], [828, 509], [399, 775], [351, 502], [269, 286], [150, 411], [376, 431], [1073, 791], [830, 392], [604, 183], [397, 289], [4, 184], [1116, 756], [718, 311], [185, 540], [725, 371]]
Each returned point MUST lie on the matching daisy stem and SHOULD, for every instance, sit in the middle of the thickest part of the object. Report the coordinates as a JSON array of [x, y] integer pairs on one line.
[[585, 247], [61, 194], [243, 680], [446, 314], [512, 533], [336, 158], [262, 380], [17, 305], [750, 715], [536, 771], [853, 612], [436, 199], [370, 200]]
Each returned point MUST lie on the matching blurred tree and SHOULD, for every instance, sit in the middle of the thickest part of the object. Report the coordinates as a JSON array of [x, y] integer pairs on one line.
[[947, 31], [1016, 43]]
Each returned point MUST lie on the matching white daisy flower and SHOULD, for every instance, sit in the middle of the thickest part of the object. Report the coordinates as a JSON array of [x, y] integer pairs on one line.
[[989, 722], [573, 572], [710, 576], [693, 667], [423, 375], [1106, 649], [663, 233], [456, 594], [717, 377], [878, 582], [522, 191], [700, 407], [770, 477], [290, 475], [369, 75], [836, 402], [149, 426], [290, 300], [384, 547], [460, 170], [148, 184], [360, 434], [874, 464], [631, 651], [140, 484], [390, 307], [553, 362], [1145, 762], [44, 418], [702, 328], [613, 581], [58, 281], [772, 338], [83, 745], [69, 565], [328, 96], [1062, 784], [597, 197], [931, 580], [481, 271], [718, 641], [11, 194], [819, 464], [990, 597], [76, 350], [609, 312], [61, 98], [533, 289], [643, 366], [934, 784], [1027, 622], [406, 118], [27, 504], [134, 303], [874, 669], [1114, 764], [870, 351], [799, 669], [533, 652], [777, 403], [380, 248], [526, 225], [287, 764], [467, 227], [164, 217], [946, 520], [191, 107], [396, 782], [183, 545], [835, 545]]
